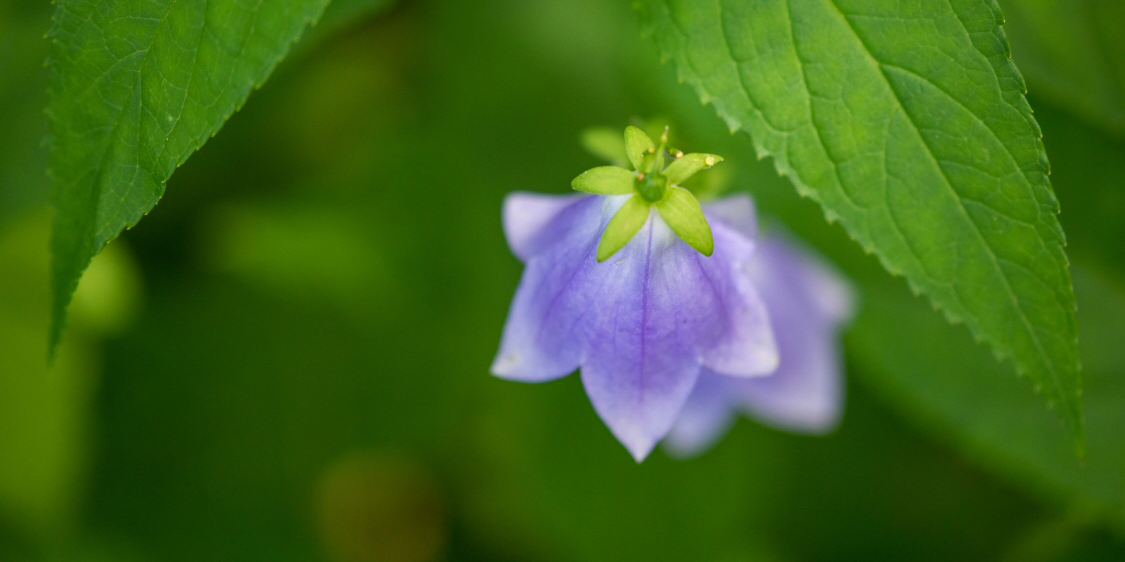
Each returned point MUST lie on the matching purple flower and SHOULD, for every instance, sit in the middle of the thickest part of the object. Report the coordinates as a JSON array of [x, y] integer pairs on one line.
[[657, 299], [808, 302], [642, 324]]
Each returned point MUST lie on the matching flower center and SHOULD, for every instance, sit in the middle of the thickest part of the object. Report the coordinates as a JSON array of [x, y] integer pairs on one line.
[[651, 187]]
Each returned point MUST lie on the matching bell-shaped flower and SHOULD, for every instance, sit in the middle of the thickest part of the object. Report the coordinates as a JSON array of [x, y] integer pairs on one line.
[[808, 302], [638, 286]]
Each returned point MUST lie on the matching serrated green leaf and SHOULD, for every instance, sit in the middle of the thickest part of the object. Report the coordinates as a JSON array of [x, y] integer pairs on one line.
[[637, 143], [1072, 53], [137, 86], [907, 123], [687, 165], [605, 180], [623, 226], [684, 216]]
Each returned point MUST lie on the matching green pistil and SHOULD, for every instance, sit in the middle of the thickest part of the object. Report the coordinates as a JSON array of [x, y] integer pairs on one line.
[[651, 187]]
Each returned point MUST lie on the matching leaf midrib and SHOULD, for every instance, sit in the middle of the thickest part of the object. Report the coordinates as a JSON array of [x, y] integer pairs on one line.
[[945, 180], [99, 169]]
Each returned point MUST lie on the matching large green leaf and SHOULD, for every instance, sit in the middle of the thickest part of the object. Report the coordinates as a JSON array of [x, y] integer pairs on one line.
[[137, 86], [1073, 53], [907, 122]]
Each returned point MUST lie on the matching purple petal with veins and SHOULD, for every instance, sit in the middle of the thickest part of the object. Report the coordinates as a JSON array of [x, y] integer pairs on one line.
[[807, 302]]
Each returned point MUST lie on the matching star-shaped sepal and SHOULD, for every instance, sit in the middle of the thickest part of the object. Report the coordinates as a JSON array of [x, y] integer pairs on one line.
[[651, 185]]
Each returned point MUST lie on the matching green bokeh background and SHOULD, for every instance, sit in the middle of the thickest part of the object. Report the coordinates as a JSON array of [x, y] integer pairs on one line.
[[287, 360]]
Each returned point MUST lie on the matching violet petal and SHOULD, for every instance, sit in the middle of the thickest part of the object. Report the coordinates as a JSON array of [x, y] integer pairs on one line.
[[641, 363], [526, 217], [807, 302], [543, 338], [704, 419]]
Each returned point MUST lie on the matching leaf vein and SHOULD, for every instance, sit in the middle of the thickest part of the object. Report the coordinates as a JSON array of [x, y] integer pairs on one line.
[[1049, 365]]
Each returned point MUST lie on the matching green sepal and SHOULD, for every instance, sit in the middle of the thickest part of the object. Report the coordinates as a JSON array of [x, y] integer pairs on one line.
[[606, 144], [637, 144], [623, 226], [605, 180], [687, 165], [684, 216]]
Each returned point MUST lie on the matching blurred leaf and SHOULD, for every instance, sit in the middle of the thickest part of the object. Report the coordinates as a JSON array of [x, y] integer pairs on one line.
[[382, 507], [136, 88], [108, 297], [909, 126], [607, 144], [303, 250], [341, 13], [1088, 171], [933, 372], [1073, 53], [43, 411], [23, 85]]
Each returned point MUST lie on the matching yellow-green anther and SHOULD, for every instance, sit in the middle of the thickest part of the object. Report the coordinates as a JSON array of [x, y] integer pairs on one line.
[[684, 216], [637, 144], [605, 180], [623, 226], [606, 143], [686, 166]]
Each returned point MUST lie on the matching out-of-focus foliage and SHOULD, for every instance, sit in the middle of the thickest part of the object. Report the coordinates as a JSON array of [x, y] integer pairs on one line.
[[46, 410], [1014, 433], [908, 124], [1073, 54], [342, 13], [44, 447], [299, 371], [23, 95]]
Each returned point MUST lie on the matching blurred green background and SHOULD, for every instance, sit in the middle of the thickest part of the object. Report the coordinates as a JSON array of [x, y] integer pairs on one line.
[[288, 359]]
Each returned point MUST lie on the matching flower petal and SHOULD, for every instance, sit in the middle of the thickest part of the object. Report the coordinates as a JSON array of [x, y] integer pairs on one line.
[[526, 218], [737, 212], [641, 362], [547, 329], [738, 338], [544, 337], [806, 392], [705, 418], [831, 295]]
